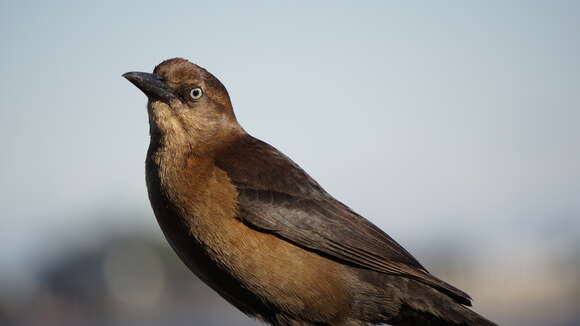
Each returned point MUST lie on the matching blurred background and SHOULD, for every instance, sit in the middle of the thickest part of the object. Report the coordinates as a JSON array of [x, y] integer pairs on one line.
[[454, 126]]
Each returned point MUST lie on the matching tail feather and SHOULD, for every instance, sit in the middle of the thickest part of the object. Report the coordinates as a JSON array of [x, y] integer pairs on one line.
[[450, 316], [424, 305]]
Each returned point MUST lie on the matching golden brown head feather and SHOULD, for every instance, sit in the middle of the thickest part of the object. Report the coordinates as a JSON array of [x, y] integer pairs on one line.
[[179, 73], [201, 126]]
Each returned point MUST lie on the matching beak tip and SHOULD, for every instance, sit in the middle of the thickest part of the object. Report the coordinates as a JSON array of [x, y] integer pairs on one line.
[[127, 75], [150, 84]]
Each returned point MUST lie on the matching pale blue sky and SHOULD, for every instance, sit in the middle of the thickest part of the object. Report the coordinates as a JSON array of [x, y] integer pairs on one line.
[[446, 119]]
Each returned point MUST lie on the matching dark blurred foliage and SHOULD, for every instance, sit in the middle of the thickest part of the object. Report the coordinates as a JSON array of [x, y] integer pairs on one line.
[[126, 280], [136, 279]]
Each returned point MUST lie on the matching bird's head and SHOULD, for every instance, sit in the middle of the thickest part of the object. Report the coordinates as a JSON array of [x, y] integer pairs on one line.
[[188, 106]]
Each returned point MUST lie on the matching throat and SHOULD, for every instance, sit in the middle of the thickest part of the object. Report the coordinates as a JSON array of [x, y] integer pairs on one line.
[[176, 166]]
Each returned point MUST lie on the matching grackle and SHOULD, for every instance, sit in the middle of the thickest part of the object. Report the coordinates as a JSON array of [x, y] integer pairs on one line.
[[261, 232]]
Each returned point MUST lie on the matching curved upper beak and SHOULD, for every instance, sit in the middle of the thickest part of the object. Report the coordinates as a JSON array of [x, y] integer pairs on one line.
[[151, 85]]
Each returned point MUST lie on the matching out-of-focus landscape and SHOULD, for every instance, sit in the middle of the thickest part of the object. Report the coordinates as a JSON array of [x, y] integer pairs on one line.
[[131, 279], [454, 126]]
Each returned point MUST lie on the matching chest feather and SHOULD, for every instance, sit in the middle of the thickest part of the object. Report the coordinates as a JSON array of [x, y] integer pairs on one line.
[[271, 267]]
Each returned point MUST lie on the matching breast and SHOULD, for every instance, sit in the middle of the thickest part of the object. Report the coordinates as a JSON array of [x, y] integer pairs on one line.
[[247, 267]]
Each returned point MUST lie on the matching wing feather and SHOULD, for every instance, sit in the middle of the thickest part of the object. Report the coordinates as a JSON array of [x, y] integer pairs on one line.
[[277, 196]]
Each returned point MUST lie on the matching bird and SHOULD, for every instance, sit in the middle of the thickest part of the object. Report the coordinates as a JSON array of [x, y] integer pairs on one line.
[[261, 232]]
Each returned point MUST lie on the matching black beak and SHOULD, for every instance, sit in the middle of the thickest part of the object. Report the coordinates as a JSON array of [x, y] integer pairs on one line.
[[151, 85]]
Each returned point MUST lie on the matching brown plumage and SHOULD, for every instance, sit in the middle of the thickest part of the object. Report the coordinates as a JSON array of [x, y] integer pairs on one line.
[[262, 233]]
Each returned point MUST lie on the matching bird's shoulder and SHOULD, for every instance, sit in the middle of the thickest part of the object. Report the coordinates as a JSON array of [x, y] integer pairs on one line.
[[254, 164]]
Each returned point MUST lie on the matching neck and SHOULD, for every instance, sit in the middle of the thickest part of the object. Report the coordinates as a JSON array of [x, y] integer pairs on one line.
[[169, 154]]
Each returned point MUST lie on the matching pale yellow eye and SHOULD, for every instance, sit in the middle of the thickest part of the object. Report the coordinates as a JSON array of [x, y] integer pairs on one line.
[[196, 93]]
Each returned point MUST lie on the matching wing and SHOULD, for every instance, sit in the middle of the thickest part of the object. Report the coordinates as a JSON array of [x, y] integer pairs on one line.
[[277, 196]]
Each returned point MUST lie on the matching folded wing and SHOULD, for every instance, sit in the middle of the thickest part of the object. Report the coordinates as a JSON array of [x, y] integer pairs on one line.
[[277, 196]]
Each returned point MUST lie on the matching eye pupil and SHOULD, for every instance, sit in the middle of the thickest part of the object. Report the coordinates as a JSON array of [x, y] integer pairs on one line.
[[196, 93]]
